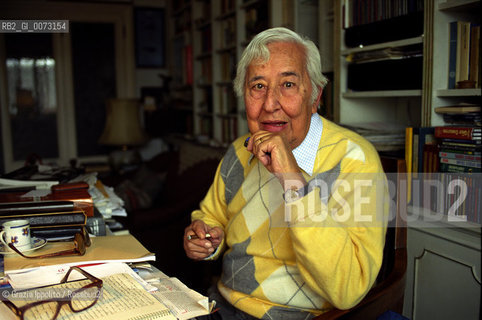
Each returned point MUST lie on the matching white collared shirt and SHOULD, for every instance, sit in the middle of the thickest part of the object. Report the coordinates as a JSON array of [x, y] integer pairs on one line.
[[305, 153]]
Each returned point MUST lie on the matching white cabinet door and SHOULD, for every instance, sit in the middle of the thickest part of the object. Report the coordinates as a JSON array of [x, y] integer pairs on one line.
[[443, 274]]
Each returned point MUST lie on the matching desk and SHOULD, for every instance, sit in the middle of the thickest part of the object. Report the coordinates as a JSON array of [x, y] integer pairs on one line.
[[176, 298]]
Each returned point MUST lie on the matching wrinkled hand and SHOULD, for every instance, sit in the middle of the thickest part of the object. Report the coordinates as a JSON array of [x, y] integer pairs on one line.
[[199, 249], [276, 155], [273, 152]]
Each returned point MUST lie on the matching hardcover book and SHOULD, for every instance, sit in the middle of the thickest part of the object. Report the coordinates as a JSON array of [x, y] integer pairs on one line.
[[462, 133], [48, 219]]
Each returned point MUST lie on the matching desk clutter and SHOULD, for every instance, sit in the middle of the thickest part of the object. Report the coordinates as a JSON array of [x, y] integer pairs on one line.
[[65, 272], [113, 280], [54, 198]]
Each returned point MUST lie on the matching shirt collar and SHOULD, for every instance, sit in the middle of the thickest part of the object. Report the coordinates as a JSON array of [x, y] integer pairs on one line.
[[305, 153]]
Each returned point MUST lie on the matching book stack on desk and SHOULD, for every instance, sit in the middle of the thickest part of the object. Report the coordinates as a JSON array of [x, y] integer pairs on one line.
[[57, 212], [48, 219]]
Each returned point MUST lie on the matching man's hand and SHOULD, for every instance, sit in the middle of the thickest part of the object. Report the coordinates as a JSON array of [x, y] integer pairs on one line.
[[202, 246], [276, 155]]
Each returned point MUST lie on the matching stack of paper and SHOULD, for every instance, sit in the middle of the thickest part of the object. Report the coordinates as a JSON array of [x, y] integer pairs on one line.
[[384, 136], [147, 294], [104, 197]]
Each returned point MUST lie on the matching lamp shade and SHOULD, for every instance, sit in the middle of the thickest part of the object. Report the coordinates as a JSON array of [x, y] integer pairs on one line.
[[122, 125]]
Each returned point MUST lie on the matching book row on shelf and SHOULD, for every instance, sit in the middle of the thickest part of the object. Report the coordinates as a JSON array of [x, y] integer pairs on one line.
[[182, 22], [445, 165], [455, 195], [206, 78], [228, 100], [444, 149], [228, 65], [182, 62], [204, 17], [371, 22], [227, 33], [359, 12], [464, 55], [229, 128], [254, 19], [227, 6], [206, 39]]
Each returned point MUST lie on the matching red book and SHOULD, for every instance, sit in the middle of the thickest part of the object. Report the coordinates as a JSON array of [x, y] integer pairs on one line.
[[75, 192], [188, 58], [462, 133], [430, 158]]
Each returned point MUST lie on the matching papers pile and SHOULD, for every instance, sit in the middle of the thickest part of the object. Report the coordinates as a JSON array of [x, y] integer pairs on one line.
[[105, 200], [141, 292], [384, 136]]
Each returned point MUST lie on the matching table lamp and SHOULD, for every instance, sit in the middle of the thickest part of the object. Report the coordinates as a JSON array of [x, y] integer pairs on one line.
[[123, 129]]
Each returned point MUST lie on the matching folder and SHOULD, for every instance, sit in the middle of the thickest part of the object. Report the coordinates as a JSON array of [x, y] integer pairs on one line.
[[124, 248]]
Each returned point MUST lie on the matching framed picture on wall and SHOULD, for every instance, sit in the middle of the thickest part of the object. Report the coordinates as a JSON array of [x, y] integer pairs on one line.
[[150, 37]]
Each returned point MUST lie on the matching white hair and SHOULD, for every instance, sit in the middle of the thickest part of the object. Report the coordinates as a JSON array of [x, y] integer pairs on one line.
[[258, 50]]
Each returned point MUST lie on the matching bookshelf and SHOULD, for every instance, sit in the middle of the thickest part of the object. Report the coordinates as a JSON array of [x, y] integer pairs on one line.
[[180, 27], [443, 256], [216, 32], [442, 14], [399, 76], [213, 29], [225, 41], [399, 106], [413, 107]]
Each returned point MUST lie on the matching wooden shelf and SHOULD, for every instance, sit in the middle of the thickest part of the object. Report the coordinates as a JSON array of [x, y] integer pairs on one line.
[[391, 44], [226, 15], [382, 94], [250, 3], [458, 4], [421, 217], [226, 49], [204, 55], [227, 115], [459, 92], [224, 83], [181, 10]]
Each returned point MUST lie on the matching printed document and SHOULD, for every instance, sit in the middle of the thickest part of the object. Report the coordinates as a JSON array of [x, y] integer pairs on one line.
[[121, 298]]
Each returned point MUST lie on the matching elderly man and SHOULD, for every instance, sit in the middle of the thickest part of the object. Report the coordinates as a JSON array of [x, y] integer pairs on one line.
[[298, 234]]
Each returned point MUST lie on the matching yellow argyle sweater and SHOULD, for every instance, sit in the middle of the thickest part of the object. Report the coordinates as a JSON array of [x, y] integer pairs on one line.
[[297, 260]]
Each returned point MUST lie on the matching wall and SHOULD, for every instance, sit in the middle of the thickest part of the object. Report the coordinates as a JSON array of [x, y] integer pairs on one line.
[[149, 77]]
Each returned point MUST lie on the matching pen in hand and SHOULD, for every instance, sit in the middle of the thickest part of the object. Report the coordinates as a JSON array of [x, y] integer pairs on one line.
[[192, 237]]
